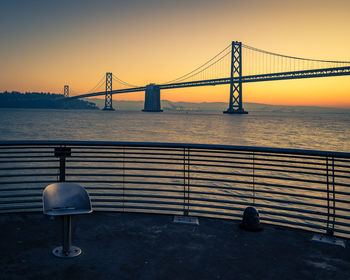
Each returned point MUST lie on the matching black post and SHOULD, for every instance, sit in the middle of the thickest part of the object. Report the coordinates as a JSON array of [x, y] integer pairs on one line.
[[62, 153], [67, 234]]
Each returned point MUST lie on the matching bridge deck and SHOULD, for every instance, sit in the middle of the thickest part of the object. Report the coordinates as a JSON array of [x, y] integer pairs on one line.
[[314, 73], [142, 246]]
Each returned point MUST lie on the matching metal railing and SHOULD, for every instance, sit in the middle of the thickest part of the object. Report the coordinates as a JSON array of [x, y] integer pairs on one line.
[[297, 188]]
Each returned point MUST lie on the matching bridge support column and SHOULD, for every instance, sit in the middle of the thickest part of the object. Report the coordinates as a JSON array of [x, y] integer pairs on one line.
[[236, 105], [66, 91], [152, 99], [108, 95]]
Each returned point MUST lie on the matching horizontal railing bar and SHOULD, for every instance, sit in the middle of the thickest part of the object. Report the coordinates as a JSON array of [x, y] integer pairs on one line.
[[175, 145], [269, 164], [268, 205], [140, 207], [21, 201], [271, 206], [194, 153], [204, 172], [199, 205], [300, 217], [32, 156], [22, 161], [192, 211], [211, 180], [28, 175], [14, 207], [29, 168], [231, 208], [49, 152], [180, 157], [193, 162], [136, 201], [28, 182], [192, 150], [314, 226], [339, 230], [233, 202], [208, 172], [180, 162], [21, 189], [2, 196]]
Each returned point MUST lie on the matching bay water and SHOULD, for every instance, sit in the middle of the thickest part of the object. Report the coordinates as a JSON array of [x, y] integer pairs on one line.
[[301, 130]]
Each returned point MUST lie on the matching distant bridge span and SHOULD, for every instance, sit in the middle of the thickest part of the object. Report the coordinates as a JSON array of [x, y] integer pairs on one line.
[[235, 80]]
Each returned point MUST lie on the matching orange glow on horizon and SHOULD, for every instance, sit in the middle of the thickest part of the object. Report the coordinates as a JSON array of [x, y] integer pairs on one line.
[[161, 40]]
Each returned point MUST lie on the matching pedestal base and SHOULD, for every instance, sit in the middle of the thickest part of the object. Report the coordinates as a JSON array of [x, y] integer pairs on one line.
[[73, 252]]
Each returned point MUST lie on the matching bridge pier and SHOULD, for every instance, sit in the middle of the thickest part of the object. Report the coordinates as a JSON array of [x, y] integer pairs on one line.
[[152, 99], [236, 104]]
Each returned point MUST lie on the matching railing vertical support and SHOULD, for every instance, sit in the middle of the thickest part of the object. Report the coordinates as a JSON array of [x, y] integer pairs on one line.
[[62, 153], [123, 197], [253, 179], [330, 196], [186, 192]]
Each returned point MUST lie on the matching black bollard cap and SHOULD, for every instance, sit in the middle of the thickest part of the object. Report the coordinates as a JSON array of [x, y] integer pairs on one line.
[[251, 220]]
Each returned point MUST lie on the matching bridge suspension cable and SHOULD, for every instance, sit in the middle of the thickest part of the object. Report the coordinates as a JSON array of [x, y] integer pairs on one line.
[[98, 85], [257, 61], [120, 81], [293, 57], [204, 66]]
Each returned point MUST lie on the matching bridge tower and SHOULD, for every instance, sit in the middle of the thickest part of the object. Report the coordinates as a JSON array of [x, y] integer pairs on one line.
[[66, 91], [152, 99], [108, 94], [235, 106]]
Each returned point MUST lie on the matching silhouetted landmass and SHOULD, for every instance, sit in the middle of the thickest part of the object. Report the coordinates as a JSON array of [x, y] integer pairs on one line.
[[41, 100]]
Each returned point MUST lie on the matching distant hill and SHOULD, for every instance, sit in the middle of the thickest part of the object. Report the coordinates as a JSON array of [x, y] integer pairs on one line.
[[41, 100], [217, 107]]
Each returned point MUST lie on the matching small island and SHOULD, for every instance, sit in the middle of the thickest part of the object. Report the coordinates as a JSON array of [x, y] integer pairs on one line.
[[41, 100]]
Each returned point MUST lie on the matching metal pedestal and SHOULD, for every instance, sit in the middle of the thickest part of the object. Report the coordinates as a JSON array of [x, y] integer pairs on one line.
[[67, 250]]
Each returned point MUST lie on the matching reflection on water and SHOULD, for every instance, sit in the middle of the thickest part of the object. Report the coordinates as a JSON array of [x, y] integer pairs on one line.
[[288, 130]]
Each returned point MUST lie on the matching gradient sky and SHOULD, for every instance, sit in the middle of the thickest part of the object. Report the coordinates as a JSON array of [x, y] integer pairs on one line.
[[46, 44]]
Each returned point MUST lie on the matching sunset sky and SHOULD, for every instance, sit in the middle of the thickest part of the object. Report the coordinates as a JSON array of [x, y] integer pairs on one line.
[[47, 44]]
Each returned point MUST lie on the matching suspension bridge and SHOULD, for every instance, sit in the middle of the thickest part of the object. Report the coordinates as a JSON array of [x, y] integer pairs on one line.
[[226, 67]]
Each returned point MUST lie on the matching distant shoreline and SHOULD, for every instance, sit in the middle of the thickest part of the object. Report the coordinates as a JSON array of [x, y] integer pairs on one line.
[[169, 106], [36, 100]]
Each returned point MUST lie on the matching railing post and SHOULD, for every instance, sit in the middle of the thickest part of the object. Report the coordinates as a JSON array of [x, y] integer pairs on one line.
[[333, 196], [186, 192], [123, 197], [253, 179], [62, 153], [330, 196]]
